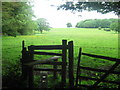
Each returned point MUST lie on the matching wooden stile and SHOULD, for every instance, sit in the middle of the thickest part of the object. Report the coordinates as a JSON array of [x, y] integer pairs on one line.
[[50, 61]]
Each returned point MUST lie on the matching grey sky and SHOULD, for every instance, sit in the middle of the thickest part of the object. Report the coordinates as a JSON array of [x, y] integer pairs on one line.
[[59, 18]]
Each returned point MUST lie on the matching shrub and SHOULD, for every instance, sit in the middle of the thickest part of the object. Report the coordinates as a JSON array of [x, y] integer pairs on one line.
[[12, 76], [99, 28]]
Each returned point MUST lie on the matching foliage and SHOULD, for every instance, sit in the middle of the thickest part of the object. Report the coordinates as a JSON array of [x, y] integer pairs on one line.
[[99, 28], [42, 25], [69, 25], [11, 76], [115, 26], [17, 18], [102, 7], [95, 23]]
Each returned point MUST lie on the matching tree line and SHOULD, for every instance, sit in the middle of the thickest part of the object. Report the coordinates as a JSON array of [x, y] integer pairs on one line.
[[112, 24], [99, 23], [102, 7], [17, 19], [95, 23]]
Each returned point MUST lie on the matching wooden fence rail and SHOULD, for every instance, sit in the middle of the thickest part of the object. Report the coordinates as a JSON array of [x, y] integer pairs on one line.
[[67, 62], [102, 78]]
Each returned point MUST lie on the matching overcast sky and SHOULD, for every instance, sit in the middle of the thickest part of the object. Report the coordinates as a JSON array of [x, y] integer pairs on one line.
[[59, 18]]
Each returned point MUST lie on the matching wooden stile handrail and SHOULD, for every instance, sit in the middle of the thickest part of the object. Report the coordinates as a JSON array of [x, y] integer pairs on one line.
[[42, 61], [48, 47], [47, 53], [47, 69]]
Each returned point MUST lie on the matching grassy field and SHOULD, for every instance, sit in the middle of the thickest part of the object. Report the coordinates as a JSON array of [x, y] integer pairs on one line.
[[92, 41]]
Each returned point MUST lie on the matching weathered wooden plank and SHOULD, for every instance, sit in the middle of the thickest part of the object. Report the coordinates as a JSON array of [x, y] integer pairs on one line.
[[42, 61], [23, 44], [55, 72], [46, 69], [64, 60], [47, 47], [95, 79], [106, 74], [88, 86], [78, 67], [102, 57], [47, 53], [30, 69], [71, 63], [52, 63], [98, 70], [24, 59]]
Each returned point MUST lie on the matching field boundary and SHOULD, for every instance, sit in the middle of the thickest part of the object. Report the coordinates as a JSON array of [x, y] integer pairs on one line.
[[28, 63], [103, 77]]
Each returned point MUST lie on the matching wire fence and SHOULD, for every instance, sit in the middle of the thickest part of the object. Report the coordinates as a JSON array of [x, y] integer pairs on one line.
[[97, 47]]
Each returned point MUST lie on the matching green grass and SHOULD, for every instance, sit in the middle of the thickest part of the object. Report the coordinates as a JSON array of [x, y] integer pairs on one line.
[[92, 41]]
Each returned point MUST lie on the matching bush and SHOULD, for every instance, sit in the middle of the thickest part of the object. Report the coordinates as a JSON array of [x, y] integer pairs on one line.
[[99, 28], [12, 76], [114, 27], [107, 29]]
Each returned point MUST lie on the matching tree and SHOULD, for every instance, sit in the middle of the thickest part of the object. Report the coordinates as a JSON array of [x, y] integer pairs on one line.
[[95, 23], [115, 27], [17, 18], [42, 24], [102, 7], [69, 25]]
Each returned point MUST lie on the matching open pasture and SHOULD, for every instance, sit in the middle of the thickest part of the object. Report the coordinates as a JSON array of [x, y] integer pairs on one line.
[[91, 40]]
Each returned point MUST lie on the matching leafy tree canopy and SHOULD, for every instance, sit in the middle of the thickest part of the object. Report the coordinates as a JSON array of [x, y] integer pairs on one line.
[[102, 7], [95, 23], [115, 26], [17, 18], [42, 24], [69, 25]]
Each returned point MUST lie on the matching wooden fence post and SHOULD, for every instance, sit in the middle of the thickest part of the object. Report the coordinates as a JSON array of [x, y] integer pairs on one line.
[[55, 68], [64, 59], [71, 64], [23, 61], [30, 70], [78, 67]]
